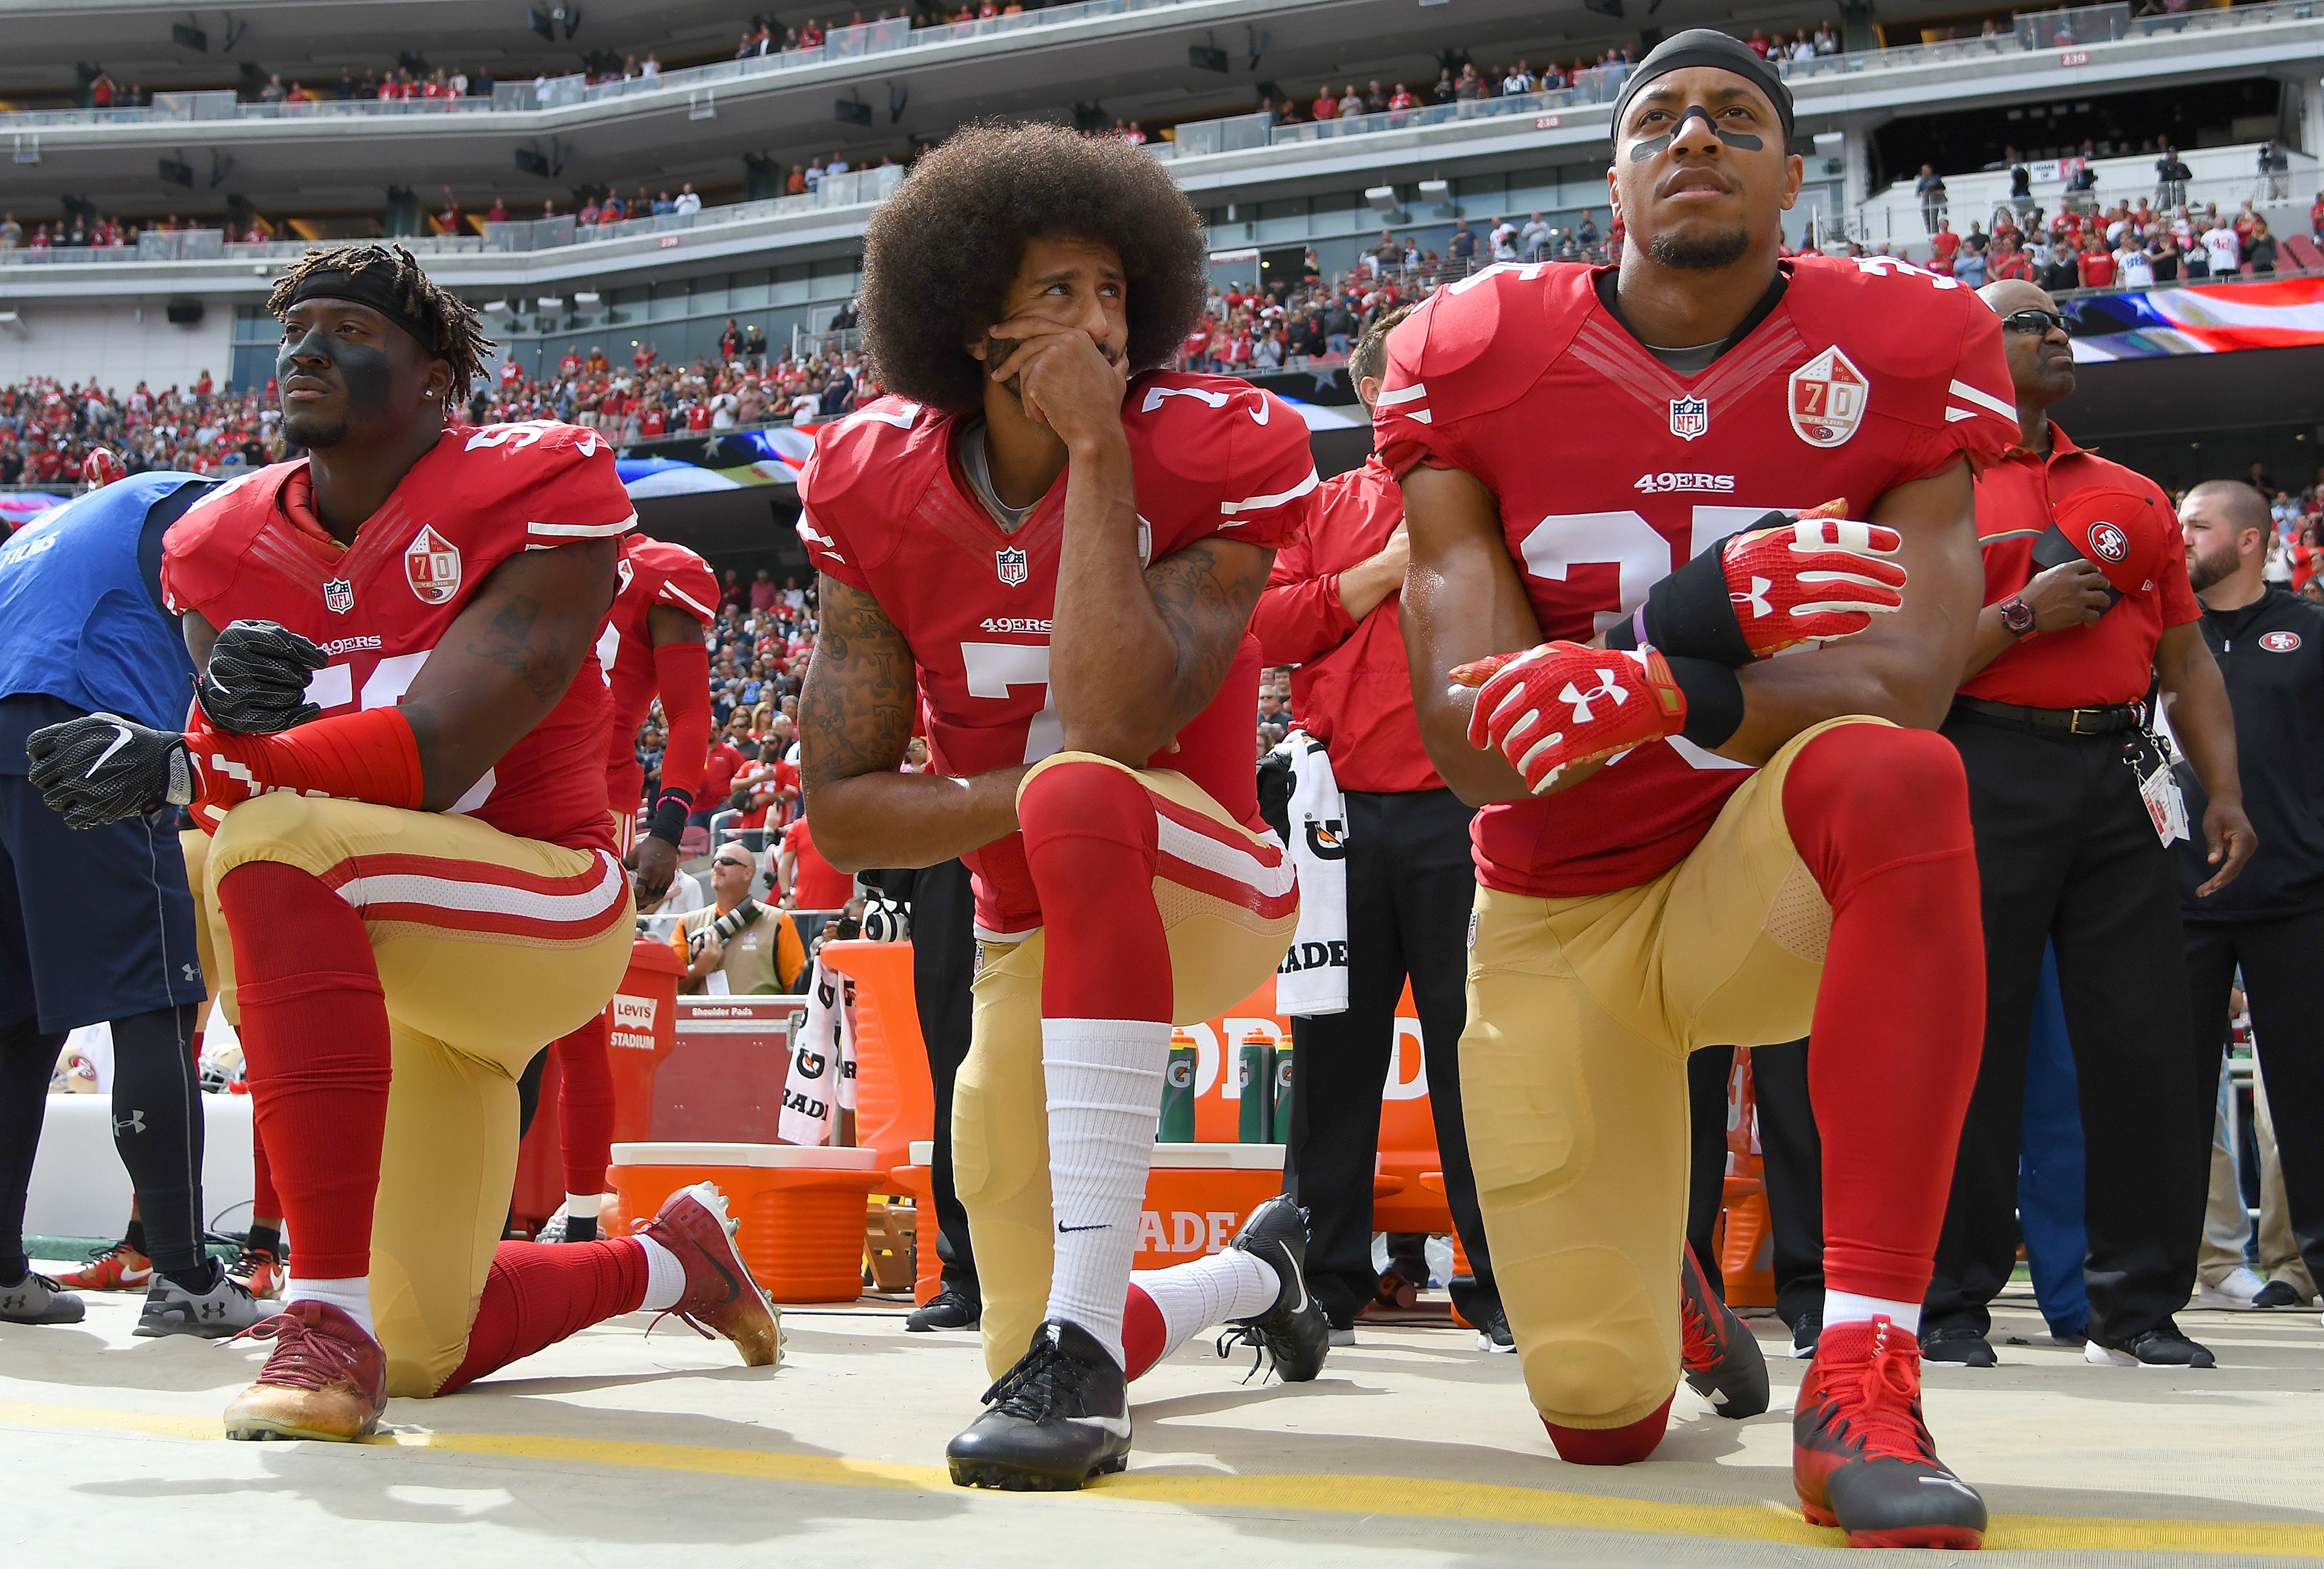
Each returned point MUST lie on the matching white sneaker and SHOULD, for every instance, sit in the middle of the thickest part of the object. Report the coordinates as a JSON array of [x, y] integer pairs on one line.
[[2236, 1291]]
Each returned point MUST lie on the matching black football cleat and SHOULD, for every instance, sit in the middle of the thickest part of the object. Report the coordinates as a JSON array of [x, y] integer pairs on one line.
[[1058, 1419], [1721, 1359], [1294, 1333], [1861, 1455]]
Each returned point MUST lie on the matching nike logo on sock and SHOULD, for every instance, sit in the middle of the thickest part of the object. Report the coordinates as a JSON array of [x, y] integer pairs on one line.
[[1100, 1227]]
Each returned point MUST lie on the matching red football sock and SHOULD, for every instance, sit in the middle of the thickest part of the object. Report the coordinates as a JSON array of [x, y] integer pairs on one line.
[[537, 1294], [1090, 843], [586, 1105], [1611, 1446], [1144, 1335], [314, 1037], [1881, 818], [264, 1204]]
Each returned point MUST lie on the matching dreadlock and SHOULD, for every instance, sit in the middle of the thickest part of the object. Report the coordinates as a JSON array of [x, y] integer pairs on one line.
[[454, 331]]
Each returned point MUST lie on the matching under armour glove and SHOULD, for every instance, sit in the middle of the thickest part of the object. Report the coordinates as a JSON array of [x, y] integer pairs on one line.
[[256, 681], [1560, 704], [1788, 579], [104, 768]]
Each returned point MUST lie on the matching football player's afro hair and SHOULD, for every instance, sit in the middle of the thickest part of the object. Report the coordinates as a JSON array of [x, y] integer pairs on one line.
[[939, 256]]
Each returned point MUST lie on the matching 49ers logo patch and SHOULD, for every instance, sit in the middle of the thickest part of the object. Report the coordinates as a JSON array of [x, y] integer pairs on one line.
[[2280, 642], [432, 567], [1828, 397], [2110, 542]]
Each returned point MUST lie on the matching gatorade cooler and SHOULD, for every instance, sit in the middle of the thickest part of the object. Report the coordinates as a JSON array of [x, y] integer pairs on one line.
[[801, 1210], [1198, 1195]]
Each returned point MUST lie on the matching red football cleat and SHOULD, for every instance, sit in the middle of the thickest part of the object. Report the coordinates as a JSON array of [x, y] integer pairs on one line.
[[326, 1377], [120, 1267], [1721, 1358], [719, 1294], [1861, 1455]]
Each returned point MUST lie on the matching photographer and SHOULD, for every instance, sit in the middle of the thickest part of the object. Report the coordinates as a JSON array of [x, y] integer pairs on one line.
[[737, 947]]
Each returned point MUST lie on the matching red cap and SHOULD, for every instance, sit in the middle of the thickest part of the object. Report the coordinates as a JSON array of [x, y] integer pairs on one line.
[[2126, 533]]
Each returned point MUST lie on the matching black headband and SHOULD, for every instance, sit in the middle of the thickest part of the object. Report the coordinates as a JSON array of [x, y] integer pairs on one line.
[[1706, 46], [369, 287]]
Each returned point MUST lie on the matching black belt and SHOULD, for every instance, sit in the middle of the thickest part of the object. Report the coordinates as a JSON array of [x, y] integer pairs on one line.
[[2107, 720]]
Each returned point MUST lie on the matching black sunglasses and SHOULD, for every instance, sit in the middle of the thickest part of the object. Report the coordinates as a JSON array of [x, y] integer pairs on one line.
[[2041, 322], [729, 860]]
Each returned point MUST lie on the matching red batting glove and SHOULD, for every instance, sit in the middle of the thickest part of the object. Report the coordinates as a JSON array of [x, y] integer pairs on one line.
[[1813, 580], [1561, 703]]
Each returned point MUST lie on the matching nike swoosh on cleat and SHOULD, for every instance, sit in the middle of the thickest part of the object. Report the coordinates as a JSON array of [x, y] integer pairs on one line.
[[733, 1288], [1117, 1426]]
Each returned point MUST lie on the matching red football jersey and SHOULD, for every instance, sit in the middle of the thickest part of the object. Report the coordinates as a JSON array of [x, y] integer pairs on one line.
[[653, 572], [1611, 471], [379, 606], [886, 511]]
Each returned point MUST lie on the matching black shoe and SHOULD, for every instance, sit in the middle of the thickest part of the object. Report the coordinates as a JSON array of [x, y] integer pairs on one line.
[[1721, 1358], [1804, 1335], [950, 1308], [2276, 1294], [2161, 1347], [1962, 1347], [1294, 1333], [1057, 1419], [1493, 1334]]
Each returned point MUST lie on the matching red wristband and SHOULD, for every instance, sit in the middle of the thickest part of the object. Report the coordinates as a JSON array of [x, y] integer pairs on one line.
[[370, 756]]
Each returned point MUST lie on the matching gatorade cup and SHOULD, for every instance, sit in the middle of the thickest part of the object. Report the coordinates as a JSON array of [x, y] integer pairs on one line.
[[1254, 1081], [1177, 1124], [1278, 1127]]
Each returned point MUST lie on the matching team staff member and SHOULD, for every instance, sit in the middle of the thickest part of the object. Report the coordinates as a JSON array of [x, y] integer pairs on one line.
[[2068, 855], [2269, 643], [98, 925], [1330, 608]]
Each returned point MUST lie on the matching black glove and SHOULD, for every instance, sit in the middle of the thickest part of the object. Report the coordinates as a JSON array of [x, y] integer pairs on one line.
[[1275, 783], [99, 769], [257, 682]]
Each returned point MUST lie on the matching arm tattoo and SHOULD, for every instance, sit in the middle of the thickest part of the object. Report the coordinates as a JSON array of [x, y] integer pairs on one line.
[[856, 708], [1207, 608], [510, 642]]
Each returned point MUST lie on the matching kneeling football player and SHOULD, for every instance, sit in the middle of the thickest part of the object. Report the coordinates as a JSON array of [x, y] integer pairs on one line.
[[1683, 842], [1054, 550], [400, 750]]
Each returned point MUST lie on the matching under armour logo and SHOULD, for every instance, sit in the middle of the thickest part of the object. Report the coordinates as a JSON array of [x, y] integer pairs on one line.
[[134, 1123], [192, 973], [212, 1310], [1608, 687], [1760, 605]]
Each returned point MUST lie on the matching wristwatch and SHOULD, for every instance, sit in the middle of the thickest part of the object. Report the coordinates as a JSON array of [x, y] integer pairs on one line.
[[2016, 615]]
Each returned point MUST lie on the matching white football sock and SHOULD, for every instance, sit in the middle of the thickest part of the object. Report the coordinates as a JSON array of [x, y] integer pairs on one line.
[[1104, 1079], [1847, 1308], [584, 1206], [351, 1296], [1224, 1287], [665, 1275]]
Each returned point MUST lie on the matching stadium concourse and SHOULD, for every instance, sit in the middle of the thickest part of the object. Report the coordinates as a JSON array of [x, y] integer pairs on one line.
[[616, 1448]]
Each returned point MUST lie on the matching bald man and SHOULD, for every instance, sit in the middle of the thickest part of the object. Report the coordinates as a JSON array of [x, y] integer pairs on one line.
[[2087, 606], [2269, 643]]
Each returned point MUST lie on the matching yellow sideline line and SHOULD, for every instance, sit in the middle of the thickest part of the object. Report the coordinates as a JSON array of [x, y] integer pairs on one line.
[[1402, 1496]]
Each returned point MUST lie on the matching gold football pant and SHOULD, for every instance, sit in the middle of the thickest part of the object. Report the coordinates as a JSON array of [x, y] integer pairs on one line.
[[1221, 951], [1582, 1012], [488, 947]]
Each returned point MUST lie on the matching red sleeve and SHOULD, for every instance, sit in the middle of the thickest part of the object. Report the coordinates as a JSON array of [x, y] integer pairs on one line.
[[1405, 428], [1965, 404], [1299, 615], [682, 676], [1269, 494], [691, 588], [570, 490]]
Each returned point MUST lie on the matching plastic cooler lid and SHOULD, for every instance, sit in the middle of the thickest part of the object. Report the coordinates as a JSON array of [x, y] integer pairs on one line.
[[759, 1155], [1220, 1157]]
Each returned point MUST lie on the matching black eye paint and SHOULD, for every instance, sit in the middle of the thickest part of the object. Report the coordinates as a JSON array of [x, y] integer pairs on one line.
[[1741, 141], [364, 369]]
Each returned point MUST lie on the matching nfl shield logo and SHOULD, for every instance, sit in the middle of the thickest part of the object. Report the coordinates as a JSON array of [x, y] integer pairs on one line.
[[1010, 564], [339, 597], [1690, 417], [432, 567]]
